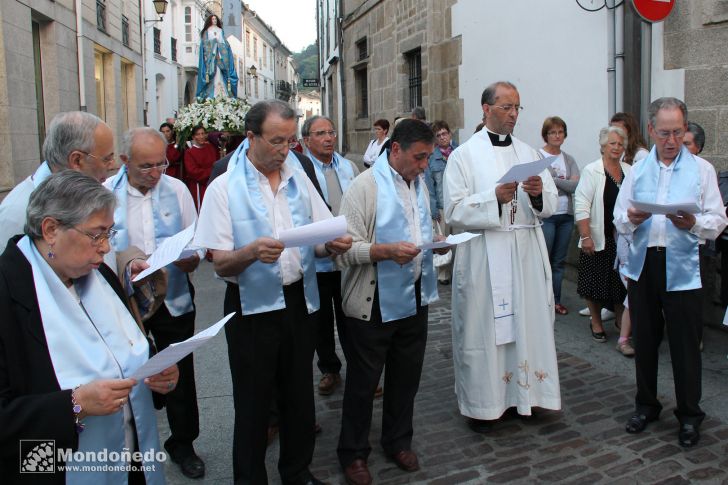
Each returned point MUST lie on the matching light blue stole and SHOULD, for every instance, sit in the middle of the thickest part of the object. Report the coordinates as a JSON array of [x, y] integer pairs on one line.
[[104, 342], [396, 284], [345, 175], [261, 288], [167, 222], [41, 173], [683, 263]]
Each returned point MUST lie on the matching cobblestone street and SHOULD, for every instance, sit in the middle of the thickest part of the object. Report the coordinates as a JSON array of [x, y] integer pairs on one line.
[[584, 443]]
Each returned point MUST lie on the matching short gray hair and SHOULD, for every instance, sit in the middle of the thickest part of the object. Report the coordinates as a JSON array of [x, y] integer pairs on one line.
[[128, 139], [488, 96], [418, 113], [607, 130], [67, 132], [306, 129], [666, 103], [68, 196]]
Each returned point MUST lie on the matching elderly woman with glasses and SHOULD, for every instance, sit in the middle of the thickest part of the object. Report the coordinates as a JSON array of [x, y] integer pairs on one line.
[[68, 346], [594, 200]]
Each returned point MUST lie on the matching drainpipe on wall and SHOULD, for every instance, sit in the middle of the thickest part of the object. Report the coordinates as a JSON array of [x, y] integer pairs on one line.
[[646, 73], [79, 56], [143, 39], [611, 59], [342, 77]]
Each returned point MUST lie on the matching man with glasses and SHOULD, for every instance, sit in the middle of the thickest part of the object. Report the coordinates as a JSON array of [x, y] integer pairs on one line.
[[663, 266], [503, 342], [151, 207], [75, 140], [272, 289], [334, 174]]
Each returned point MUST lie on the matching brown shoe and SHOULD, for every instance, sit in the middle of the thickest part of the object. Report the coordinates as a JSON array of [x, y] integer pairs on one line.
[[328, 383], [379, 392], [406, 460], [357, 473]]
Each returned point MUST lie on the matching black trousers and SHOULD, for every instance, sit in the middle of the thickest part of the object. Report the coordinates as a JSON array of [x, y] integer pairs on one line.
[[368, 347], [269, 352], [653, 308], [329, 285], [182, 413]]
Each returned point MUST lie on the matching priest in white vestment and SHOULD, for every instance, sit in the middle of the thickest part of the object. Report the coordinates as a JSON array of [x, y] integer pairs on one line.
[[502, 301]]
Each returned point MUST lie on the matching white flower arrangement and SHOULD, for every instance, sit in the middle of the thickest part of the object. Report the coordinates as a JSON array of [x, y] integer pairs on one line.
[[215, 114]]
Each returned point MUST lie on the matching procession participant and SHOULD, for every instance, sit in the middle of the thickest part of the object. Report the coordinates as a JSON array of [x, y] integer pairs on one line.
[[665, 291], [174, 154], [387, 285], [76, 140], [198, 161], [151, 207], [272, 288], [503, 308], [334, 174], [69, 346]]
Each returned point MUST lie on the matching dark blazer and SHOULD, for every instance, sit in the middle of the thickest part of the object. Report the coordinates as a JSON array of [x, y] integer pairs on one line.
[[32, 404], [221, 166]]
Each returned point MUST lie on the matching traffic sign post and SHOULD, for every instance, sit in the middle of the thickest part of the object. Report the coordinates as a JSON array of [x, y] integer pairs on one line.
[[653, 10], [310, 83]]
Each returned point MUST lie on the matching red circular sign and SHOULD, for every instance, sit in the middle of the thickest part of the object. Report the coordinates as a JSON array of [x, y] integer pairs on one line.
[[653, 10]]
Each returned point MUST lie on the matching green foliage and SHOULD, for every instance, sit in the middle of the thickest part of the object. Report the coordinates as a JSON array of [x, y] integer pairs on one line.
[[307, 62]]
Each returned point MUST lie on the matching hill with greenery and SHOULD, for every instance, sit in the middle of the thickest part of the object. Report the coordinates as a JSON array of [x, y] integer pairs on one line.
[[307, 62]]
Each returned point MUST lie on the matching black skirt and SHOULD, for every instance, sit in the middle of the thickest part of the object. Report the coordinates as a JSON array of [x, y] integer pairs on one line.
[[598, 280]]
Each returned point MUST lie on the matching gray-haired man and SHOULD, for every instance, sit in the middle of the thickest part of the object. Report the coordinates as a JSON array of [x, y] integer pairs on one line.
[[75, 140]]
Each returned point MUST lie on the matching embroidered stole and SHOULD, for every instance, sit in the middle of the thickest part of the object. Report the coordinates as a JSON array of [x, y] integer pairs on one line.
[[96, 339], [682, 259], [396, 284], [261, 288], [345, 176], [167, 215]]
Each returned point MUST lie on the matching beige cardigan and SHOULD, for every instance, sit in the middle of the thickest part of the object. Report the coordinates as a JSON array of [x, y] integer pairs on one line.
[[589, 199], [358, 272]]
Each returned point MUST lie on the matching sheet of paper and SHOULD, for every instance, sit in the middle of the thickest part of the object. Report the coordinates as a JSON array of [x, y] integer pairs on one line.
[[725, 317], [451, 240], [315, 233], [521, 172], [176, 352], [188, 252], [168, 252], [689, 207]]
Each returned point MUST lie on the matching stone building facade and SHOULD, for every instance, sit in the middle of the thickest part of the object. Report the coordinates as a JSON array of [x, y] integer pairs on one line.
[[696, 40], [42, 45], [394, 55]]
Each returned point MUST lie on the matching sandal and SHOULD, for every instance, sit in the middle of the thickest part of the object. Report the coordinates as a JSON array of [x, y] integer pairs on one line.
[[560, 309]]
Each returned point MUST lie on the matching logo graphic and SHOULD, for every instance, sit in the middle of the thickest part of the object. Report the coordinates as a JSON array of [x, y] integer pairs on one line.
[[37, 456]]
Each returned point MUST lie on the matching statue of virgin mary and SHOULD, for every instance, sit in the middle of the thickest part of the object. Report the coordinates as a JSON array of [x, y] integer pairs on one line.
[[216, 75]]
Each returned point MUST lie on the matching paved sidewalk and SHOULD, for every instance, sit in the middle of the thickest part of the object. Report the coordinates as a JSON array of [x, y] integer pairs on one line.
[[585, 443]]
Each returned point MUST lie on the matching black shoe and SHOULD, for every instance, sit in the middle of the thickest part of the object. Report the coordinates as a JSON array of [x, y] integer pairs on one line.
[[688, 435], [600, 337], [637, 423], [189, 463], [481, 425]]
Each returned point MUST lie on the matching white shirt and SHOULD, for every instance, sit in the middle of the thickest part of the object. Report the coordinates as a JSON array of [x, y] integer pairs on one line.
[[408, 195], [140, 218], [372, 153], [559, 165], [708, 224], [215, 228]]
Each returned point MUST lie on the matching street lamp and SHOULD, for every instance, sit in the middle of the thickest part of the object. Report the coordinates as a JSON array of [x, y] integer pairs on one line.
[[251, 73], [160, 6]]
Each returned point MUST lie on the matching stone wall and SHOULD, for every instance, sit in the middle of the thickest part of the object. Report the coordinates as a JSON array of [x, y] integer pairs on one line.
[[392, 29], [696, 39]]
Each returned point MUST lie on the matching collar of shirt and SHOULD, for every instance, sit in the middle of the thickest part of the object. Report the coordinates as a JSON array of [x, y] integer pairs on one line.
[[286, 174], [499, 140], [324, 166], [134, 192]]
